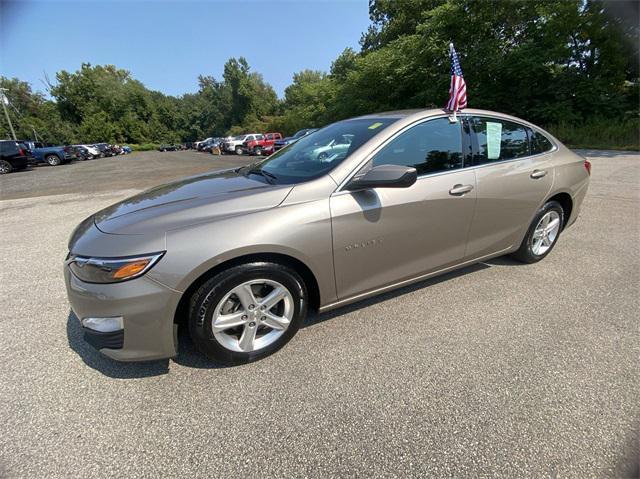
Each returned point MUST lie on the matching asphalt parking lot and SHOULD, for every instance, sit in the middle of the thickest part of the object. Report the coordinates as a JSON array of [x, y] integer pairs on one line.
[[499, 369]]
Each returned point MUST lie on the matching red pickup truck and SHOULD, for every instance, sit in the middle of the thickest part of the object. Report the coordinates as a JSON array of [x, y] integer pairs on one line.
[[262, 145]]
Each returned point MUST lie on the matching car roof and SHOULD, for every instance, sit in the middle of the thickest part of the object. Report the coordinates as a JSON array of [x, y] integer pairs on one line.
[[427, 112]]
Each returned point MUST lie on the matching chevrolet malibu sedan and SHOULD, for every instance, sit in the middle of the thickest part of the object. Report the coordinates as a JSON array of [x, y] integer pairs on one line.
[[241, 256]]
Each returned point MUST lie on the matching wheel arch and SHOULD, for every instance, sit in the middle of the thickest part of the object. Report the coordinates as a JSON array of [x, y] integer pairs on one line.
[[182, 310], [566, 201]]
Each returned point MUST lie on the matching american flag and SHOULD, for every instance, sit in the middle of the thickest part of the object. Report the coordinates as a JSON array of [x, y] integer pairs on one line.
[[458, 90]]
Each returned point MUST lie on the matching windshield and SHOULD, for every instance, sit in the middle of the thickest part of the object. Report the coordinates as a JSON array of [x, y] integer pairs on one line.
[[319, 152]]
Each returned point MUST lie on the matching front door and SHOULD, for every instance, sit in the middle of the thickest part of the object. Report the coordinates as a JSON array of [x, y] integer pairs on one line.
[[385, 235]]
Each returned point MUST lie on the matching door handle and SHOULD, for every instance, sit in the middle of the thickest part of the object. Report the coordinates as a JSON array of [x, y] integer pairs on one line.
[[536, 174], [459, 190]]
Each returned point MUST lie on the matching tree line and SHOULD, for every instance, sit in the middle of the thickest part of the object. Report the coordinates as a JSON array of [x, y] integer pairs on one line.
[[567, 64]]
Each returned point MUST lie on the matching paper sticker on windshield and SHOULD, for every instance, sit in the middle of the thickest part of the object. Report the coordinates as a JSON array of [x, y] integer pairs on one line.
[[375, 125], [494, 134]]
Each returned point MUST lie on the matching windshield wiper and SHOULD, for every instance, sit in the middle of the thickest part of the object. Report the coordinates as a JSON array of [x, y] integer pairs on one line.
[[270, 177]]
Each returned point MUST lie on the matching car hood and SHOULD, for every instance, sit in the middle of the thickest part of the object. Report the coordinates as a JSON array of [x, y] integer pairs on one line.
[[189, 201]]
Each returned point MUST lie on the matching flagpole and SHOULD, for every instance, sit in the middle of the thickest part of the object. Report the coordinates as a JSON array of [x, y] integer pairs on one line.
[[3, 99]]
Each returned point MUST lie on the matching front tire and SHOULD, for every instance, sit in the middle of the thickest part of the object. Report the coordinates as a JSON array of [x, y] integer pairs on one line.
[[5, 167], [53, 160], [543, 233], [258, 151], [247, 312], [238, 150]]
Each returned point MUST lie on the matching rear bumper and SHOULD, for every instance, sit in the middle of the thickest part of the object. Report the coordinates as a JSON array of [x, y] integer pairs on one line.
[[146, 308], [19, 162]]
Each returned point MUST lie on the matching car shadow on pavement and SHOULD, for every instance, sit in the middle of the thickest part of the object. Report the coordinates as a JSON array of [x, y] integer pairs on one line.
[[106, 366], [318, 318], [189, 356]]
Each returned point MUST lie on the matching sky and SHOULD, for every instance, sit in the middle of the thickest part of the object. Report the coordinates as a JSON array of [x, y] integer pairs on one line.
[[167, 44]]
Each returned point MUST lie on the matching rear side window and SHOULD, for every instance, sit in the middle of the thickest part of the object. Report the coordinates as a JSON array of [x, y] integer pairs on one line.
[[499, 140], [430, 147], [539, 143], [8, 147]]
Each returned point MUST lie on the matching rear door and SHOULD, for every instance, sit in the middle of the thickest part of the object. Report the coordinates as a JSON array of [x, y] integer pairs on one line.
[[512, 182], [383, 236]]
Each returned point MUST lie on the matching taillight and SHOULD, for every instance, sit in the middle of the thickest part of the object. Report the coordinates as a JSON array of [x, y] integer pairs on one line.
[[587, 166], [21, 152]]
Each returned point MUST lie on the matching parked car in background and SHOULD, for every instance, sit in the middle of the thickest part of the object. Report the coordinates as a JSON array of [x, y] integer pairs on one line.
[[292, 139], [115, 150], [79, 152], [234, 145], [167, 148], [104, 149], [213, 144], [196, 145], [263, 145], [414, 196], [12, 157], [126, 149], [40, 154], [335, 147], [92, 150]]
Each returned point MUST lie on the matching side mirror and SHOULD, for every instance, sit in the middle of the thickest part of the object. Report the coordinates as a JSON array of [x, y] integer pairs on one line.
[[384, 176]]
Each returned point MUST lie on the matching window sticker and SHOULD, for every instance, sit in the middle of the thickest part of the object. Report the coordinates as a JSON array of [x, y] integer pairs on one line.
[[375, 125], [494, 134]]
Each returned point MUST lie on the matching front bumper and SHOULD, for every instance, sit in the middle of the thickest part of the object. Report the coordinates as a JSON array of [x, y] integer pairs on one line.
[[147, 309]]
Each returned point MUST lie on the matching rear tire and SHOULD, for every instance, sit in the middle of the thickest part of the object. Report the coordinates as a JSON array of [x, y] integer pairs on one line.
[[216, 299], [238, 150], [543, 233], [53, 160], [5, 167]]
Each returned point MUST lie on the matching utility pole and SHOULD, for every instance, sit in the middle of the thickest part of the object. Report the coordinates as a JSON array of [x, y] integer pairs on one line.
[[3, 100]]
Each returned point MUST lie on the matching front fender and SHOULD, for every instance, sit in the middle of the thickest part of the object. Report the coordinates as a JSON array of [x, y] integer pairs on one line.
[[301, 231]]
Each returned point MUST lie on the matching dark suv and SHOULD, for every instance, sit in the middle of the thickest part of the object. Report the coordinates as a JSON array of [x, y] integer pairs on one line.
[[12, 157]]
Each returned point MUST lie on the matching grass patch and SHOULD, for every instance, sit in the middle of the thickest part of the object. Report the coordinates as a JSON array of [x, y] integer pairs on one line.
[[601, 134], [144, 146]]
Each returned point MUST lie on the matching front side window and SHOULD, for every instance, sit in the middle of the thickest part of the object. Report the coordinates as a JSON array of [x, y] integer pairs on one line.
[[430, 147], [499, 140], [319, 152]]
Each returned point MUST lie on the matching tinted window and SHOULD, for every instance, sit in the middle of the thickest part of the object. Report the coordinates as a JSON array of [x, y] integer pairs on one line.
[[318, 153], [8, 147], [499, 140], [539, 143], [430, 147]]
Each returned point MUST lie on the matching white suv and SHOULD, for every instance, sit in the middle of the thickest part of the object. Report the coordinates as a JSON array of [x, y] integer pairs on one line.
[[235, 143]]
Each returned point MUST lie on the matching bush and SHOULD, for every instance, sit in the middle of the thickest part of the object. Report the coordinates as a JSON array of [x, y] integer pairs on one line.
[[599, 133], [144, 146]]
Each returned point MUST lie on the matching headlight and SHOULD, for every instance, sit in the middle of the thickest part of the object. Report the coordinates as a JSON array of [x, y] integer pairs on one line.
[[112, 270]]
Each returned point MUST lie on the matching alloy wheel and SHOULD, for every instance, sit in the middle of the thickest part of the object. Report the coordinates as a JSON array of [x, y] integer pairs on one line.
[[545, 233], [252, 315]]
